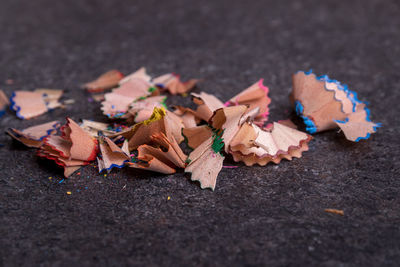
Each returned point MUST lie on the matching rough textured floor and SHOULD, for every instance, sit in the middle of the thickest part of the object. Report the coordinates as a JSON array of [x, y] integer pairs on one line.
[[271, 215]]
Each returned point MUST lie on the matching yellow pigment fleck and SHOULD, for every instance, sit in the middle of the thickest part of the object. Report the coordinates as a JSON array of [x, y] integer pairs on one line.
[[158, 114]]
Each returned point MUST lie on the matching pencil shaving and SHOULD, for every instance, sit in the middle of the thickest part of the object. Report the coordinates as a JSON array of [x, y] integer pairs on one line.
[[187, 115], [142, 109], [139, 74], [112, 156], [161, 121], [205, 162], [335, 211], [326, 104], [73, 148], [206, 105], [28, 104], [256, 96], [117, 103], [227, 120], [173, 84], [253, 145], [195, 136], [33, 136], [358, 125], [107, 80]]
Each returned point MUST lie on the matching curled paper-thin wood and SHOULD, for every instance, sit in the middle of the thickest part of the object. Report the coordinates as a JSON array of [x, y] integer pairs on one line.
[[112, 156], [316, 105], [358, 125], [286, 122], [251, 159], [75, 147], [227, 120], [206, 105], [142, 109], [161, 121], [33, 136], [169, 147], [51, 97], [118, 101], [254, 145], [94, 128], [84, 147], [173, 83], [163, 155], [187, 115], [205, 162], [105, 81], [195, 136], [28, 104], [139, 74], [256, 96], [151, 163], [325, 104]]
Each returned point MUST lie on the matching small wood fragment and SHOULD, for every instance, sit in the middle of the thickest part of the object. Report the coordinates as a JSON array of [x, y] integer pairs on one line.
[[335, 211]]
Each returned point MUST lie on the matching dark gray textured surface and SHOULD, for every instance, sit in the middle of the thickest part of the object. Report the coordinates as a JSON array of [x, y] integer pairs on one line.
[[270, 215]]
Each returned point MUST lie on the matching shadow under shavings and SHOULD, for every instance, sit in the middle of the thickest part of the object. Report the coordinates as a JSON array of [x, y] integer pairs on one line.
[[49, 166], [139, 174], [16, 145]]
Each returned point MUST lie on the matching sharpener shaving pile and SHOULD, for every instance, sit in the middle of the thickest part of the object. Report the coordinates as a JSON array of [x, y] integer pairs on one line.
[[143, 133]]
